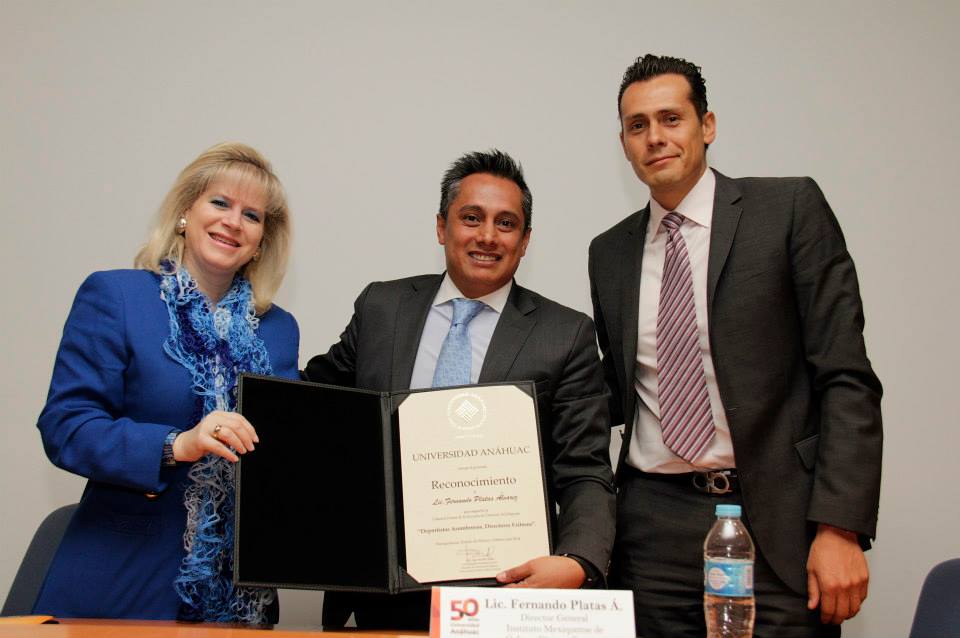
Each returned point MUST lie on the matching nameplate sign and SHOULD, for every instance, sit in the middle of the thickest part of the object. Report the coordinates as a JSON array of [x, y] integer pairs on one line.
[[507, 612]]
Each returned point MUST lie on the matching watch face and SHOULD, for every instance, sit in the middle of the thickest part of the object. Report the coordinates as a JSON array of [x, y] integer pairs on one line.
[[168, 458]]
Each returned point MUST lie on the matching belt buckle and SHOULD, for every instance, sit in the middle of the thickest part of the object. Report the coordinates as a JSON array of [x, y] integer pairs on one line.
[[712, 482]]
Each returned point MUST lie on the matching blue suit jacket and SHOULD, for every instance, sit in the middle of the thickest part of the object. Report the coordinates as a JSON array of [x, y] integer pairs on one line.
[[114, 397]]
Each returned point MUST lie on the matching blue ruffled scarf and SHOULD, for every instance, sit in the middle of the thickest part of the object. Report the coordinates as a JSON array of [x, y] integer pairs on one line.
[[215, 347]]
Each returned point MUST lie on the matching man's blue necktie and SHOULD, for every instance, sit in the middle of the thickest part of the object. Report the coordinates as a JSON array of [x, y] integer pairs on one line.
[[453, 364]]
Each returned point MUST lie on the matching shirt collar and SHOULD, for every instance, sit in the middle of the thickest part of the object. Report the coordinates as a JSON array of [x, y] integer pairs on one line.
[[496, 300], [697, 206]]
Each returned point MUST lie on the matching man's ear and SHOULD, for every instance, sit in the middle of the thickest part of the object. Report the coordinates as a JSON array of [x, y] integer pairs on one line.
[[441, 229], [709, 127]]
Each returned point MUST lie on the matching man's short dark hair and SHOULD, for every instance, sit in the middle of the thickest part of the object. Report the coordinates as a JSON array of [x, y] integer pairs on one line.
[[492, 162], [650, 66]]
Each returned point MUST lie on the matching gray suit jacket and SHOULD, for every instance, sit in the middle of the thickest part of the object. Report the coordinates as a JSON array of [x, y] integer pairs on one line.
[[535, 339], [786, 324]]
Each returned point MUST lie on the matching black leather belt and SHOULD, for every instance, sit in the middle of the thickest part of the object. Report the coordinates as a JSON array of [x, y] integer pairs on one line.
[[709, 482]]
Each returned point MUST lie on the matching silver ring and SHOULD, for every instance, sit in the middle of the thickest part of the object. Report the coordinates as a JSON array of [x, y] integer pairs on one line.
[[216, 432]]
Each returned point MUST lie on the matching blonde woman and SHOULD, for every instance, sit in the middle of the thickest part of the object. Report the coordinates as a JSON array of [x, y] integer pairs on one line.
[[142, 397]]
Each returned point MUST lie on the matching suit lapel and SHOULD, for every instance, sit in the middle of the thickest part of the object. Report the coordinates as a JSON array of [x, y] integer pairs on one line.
[[632, 255], [516, 322], [723, 228], [412, 313]]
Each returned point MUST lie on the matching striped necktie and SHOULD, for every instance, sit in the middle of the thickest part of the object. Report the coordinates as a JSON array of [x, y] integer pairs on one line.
[[685, 416], [456, 356]]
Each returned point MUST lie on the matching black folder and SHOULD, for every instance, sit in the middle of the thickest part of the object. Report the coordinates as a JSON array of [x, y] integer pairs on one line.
[[319, 502]]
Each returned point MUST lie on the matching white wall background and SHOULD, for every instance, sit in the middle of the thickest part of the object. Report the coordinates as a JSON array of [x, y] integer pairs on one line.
[[361, 105]]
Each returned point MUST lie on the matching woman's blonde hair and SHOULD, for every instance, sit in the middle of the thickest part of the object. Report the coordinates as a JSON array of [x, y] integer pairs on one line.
[[247, 166]]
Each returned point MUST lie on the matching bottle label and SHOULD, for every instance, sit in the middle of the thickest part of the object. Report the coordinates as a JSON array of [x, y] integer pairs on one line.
[[728, 577]]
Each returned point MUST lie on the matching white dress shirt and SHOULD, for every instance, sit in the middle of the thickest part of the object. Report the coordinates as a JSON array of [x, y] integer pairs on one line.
[[438, 325], [647, 451]]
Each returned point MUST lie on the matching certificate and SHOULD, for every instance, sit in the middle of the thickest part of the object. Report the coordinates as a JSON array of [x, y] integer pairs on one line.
[[474, 500], [366, 491]]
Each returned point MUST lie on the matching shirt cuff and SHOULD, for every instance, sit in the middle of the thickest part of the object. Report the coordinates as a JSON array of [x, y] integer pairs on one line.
[[592, 573]]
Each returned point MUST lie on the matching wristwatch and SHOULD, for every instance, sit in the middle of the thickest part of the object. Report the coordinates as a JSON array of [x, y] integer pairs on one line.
[[168, 458]]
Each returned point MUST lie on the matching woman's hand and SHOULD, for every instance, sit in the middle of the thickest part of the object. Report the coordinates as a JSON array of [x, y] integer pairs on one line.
[[217, 433]]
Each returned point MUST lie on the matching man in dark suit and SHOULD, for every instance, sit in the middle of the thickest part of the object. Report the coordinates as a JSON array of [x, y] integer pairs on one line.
[[730, 324], [401, 336]]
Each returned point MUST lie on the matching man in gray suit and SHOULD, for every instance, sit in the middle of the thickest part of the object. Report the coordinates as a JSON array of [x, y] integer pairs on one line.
[[730, 323], [400, 331]]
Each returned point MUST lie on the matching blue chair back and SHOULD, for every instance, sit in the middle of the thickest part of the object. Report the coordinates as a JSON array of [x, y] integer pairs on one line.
[[33, 568], [938, 610]]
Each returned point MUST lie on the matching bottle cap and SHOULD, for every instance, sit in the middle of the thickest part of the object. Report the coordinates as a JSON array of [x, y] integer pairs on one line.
[[728, 510]]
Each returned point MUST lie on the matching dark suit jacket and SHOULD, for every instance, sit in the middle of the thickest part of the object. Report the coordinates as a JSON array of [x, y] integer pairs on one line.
[[535, 339], [786, 325]]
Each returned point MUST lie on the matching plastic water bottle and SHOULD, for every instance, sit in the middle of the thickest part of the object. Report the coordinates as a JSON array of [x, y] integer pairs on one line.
[[728, 576]]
